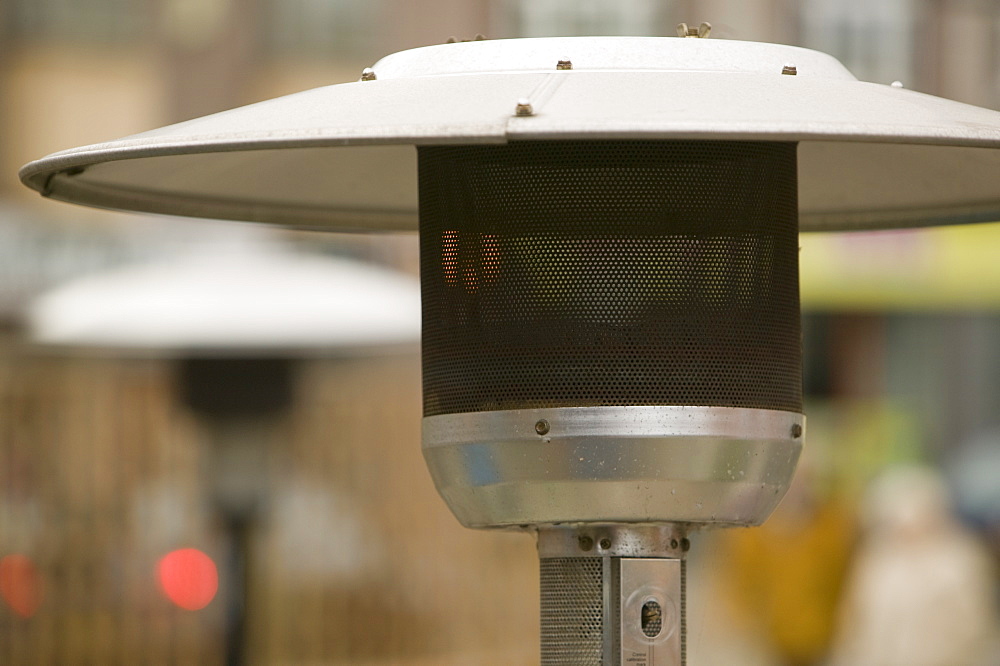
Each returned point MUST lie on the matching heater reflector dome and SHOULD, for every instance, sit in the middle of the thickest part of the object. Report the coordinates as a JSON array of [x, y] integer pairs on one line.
[[342, 157]]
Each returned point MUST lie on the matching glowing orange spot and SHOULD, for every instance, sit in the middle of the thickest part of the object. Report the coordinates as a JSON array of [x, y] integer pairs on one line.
[[475, 260], [490, 257], [449, 256], [188, 578], [470, 278], [20, 584]]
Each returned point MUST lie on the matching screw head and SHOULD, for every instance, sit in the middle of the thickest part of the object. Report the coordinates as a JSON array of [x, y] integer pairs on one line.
[[605, 543], [685, 544], [790, 70], [368, 74], [701, 32], [796, 430], [542, 427], [586, 543], [524, 108], [564, 64], [674, 544]]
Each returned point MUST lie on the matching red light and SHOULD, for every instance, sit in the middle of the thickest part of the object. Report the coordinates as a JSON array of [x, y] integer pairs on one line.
[[188, 578], [20, 584]]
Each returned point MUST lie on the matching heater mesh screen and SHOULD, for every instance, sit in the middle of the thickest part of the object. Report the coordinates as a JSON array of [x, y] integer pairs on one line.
[[586, 273], [572, 611]]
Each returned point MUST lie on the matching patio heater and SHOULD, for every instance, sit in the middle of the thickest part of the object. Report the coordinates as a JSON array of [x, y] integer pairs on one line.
[[237, 317], [609, 267]]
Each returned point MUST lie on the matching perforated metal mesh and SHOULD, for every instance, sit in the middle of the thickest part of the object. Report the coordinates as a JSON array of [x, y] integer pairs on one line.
[[652, 619], [584, 273], [572, 617]]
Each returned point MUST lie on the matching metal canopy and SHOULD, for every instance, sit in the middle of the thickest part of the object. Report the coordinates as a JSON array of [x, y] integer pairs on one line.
[[342, 157]]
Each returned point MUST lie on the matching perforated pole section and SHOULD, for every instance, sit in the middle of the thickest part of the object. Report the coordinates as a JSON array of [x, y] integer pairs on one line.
[[585, 273], [572, 611]]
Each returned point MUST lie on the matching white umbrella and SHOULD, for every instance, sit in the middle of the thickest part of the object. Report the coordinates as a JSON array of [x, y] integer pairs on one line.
[[252, 299]]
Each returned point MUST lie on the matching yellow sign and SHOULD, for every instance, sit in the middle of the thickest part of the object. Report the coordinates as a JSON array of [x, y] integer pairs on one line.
[[941, 268]]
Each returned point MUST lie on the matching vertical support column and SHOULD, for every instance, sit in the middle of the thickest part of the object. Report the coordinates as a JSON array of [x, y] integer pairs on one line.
[[612, 611], [603, 605]]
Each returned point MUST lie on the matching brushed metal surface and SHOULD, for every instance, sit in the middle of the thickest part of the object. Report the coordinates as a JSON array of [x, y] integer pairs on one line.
[[613, 540], [703, 465], [656, 581]]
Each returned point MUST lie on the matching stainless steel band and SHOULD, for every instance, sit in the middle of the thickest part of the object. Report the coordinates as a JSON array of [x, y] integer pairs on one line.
[[599, 540], [632, 421], [662, 464]]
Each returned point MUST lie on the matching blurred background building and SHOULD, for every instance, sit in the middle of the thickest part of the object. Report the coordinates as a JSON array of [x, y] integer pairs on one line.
[[100, 461]]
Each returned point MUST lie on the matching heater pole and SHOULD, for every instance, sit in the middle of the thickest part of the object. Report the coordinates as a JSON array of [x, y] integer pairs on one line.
[[613, 595], [239, 529]]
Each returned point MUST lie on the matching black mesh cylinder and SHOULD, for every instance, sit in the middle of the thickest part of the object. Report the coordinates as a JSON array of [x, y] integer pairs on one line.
[[586, 273]]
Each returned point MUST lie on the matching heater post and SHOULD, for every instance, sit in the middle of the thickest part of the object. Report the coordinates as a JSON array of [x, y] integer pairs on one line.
[[612, 595]]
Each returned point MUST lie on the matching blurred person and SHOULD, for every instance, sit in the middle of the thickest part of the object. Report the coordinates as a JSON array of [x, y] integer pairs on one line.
[[921, 588], [783, 580]]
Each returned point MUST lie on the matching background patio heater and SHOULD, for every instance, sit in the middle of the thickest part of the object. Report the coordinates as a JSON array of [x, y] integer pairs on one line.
[[609, 259], [237, 317]]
